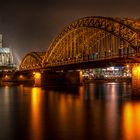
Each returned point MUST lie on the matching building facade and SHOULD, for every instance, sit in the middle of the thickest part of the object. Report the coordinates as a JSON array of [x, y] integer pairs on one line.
[[6, 56]]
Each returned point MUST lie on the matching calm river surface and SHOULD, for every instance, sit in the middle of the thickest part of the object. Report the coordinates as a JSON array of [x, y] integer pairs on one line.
[[99, 111]]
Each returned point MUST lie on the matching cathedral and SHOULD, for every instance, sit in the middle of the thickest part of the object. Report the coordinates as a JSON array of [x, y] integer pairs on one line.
[[6, 57]]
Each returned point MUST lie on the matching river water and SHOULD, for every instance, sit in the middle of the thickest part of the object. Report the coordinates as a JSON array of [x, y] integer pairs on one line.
[[99, 111]]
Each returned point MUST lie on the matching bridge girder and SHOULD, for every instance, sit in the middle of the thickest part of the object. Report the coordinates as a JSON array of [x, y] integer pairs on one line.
[[31, 61], [102, 36]]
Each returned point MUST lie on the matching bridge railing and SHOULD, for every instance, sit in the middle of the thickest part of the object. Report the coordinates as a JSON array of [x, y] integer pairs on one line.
[[90, 58]]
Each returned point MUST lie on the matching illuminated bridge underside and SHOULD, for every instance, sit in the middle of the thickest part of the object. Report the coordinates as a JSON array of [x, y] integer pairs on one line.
[[92, 40], [32, 61]]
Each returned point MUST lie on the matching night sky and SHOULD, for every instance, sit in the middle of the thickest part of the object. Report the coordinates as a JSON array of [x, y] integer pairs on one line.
[[31, 25]]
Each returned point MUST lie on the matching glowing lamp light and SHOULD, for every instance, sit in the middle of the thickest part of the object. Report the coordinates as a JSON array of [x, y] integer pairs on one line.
[[127, 66], [6, 76], [136, 70], [21, 76], [37, 75]]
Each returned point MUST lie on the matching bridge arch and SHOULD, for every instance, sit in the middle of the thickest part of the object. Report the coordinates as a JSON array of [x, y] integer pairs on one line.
[[32, 60], [85, 36]]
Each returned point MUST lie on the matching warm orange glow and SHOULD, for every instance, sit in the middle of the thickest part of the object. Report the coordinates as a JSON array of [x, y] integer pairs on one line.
[[36, 98], [6, 77], [131, 121], [66, 103], [136, 70], [37, 78], [63, 108], [81, 92], [81, 77], [127, 66], [135, 78], [111, 108], [37, 75], [21, 77]]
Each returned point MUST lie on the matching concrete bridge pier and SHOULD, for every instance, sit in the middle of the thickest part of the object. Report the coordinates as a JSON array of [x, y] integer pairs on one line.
[[74, 77], [17, 77], [37, 79], [69, 78], [23, 78], [136, 79]]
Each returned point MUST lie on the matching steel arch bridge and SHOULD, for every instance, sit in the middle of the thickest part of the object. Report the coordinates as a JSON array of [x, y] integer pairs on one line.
[[92, 40], [31, 61]]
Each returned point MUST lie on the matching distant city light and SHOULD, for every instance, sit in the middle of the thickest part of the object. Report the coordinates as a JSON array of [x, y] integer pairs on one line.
[[109, 72]]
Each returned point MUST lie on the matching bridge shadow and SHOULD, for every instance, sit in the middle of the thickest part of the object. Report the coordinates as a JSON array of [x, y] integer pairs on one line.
[[16, 83], [59, 86], [71, 89]]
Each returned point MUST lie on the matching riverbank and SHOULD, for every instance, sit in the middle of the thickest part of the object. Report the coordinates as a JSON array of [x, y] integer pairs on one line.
[[108, 80]]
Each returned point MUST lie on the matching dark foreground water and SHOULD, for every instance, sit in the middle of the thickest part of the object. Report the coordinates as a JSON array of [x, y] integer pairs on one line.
[[99, 111]]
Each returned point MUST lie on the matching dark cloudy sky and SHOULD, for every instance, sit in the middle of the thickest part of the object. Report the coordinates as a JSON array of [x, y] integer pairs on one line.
[[31, 25]]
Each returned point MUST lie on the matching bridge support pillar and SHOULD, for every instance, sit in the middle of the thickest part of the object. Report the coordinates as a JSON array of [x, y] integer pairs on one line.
[[52, 78], [62, 78], [136, 80], [37, 79], [81, 77], [74, 77]]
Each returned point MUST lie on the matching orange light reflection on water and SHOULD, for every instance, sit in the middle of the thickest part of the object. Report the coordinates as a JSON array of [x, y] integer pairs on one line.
[[111, 111], [35, 113], [135, 79], [131, 121], [75, 117]]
